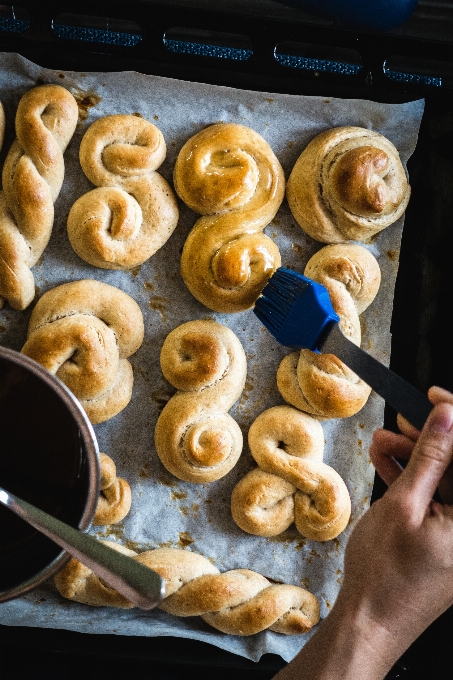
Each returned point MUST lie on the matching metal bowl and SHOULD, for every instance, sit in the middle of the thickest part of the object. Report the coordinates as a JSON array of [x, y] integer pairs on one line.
[[49, 457]]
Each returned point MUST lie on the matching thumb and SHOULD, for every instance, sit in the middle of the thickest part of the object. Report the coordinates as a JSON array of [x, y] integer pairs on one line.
[[431, 456]]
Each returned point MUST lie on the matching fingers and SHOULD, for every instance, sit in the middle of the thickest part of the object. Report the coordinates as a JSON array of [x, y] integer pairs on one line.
[[436, 395], [430, 458], [406, 428], [385, 448]]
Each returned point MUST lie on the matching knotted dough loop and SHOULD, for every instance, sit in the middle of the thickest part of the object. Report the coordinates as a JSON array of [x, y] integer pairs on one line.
[[228, 173], [115, 499], [237, 602], [82, 332], [32, 177], [196, 439], [348, 184], [133, 212], [321, 384], [291, 484]]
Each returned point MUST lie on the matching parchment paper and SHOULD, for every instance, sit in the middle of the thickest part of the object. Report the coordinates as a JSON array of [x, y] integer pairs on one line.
[[165, 511]]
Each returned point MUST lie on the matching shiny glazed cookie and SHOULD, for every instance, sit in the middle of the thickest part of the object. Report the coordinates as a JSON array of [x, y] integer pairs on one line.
[[321, 384], [229, 174]]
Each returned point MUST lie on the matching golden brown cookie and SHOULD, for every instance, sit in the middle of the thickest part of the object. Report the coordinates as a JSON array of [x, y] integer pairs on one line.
[[347, 185], [32, 177], [83, 332], [291, 484], [229, 174], [115, 498], [237, 602], [133, 212], [321, 384], [196, 439]]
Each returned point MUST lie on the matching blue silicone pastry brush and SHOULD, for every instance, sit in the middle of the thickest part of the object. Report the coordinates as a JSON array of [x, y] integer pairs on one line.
[[298, 313]]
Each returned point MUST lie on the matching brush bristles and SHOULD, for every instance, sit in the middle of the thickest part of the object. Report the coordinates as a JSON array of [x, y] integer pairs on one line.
[[278, 297]]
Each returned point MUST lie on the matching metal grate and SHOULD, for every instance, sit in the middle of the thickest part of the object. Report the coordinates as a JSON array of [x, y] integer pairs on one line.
[[203, 50], [96, 35]]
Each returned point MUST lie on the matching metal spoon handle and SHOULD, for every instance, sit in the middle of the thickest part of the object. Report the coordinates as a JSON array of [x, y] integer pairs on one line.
[[142, 586]]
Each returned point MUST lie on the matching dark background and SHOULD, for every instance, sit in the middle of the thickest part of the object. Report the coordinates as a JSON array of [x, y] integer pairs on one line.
[[419, 53]]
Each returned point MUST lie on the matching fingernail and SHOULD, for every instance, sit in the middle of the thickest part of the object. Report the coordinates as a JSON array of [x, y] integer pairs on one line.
[[441, 419]]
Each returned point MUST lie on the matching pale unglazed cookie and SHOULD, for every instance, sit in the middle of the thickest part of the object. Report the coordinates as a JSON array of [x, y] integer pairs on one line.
[[229, 174], [237, 602], [115, 498], [347, 185], [32, 177], [321, 384], [291, 484], [83, 332], [196, 439], [133, 212]]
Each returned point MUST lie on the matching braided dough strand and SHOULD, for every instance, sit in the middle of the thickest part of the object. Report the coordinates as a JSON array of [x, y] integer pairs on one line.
[[348, 184], [321, 384], [32, 177], [229, 174], [196, 439], [292, 484], [83, 332], [133, 212], [237, 602]]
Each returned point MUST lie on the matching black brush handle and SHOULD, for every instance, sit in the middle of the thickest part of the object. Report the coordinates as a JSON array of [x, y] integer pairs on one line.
[[399, 394]]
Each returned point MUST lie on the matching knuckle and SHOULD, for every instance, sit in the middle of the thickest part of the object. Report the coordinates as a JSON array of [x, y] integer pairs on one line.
[[433, 450]]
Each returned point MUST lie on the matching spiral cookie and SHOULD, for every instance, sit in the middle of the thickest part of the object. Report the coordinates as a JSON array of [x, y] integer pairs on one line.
[[133, 211], [32, 177], [230, 175], [115, 499], [291, 484], [82, 332], [321, 384], [348, 184], [196, 439], [237, 602]]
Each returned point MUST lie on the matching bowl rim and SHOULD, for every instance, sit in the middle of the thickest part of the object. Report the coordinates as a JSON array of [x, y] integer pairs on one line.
[[92, 453]]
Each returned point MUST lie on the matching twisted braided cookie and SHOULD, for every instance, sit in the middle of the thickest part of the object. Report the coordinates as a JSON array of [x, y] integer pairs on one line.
[[196, 439], [348, 184], [291, 484], [237, 602], [230, 175], [32, 177], [133, 212], [82, 332], [321, 384], [115, 499]]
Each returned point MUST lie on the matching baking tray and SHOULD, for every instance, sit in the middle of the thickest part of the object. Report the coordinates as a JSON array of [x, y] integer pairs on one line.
[[246, 45]]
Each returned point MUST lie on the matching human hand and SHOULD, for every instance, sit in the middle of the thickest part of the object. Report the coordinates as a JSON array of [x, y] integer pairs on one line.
[[398, 574], [392, 446], [399, 559]]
